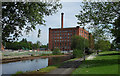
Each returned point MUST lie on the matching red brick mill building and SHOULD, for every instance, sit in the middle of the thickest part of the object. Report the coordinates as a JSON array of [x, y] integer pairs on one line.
[[61, 37]]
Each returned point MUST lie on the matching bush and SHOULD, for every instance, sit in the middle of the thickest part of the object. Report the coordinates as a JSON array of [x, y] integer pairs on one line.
[[77, 53], [56, 51]]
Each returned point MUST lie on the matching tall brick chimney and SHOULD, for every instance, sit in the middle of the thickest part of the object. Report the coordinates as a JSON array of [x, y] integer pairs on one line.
[[62, 20]]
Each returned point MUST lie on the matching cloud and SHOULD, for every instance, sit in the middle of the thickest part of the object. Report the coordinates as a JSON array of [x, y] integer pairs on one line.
[[72, 0], [70, 9]]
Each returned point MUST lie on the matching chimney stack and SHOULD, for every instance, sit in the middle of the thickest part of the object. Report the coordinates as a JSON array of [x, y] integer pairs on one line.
[[62, 20]]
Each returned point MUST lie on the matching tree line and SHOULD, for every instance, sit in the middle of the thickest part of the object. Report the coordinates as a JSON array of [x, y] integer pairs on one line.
[[23, 44], [103, 19]]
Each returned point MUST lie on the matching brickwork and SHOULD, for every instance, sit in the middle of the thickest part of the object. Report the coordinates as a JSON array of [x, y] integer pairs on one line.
[[61, 37]]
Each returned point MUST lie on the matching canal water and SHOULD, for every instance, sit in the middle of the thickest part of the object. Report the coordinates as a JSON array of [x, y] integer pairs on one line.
[[30, 65]]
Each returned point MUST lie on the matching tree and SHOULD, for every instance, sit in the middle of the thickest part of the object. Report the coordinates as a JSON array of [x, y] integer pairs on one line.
[[103, 45], [116, 31], [19, 16], [44, 46], [79, 44], [56, 51], [23, 40], [100, 16]]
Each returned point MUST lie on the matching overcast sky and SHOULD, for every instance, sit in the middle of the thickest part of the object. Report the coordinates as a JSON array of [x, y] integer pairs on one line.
[[70, 9]]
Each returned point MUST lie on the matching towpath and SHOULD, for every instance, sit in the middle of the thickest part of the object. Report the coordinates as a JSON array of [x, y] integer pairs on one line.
[[67, 68]]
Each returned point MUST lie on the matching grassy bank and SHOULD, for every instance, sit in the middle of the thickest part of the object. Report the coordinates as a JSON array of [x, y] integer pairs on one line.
[[104, 63], [40, 71], [49, 68], [45, 70]]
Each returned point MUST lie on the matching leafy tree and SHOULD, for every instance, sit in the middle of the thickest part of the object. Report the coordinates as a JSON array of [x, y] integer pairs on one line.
[[56, 51], [24, 40], [44, 46], [100, 16], [34, 46], [19, 16], [103, 45], [77, 53], [116, 31], [79, 44], [23, 44]]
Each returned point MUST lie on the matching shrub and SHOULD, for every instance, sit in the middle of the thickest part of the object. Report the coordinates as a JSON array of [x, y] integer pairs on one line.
[[77, 53], [56, 51]]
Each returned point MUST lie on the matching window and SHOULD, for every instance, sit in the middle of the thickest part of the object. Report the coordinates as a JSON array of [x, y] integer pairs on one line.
[[60, 37], [60, 44], [52, 31], [65, 37], [60, 34]]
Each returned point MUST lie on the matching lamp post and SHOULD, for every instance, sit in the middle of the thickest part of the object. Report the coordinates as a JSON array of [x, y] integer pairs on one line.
[[84, 48], [84, 51]]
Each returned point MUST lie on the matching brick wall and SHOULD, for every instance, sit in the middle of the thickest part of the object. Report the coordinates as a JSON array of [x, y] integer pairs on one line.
[[61, 37]]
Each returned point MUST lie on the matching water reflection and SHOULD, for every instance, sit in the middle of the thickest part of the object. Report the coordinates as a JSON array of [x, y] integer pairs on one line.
[[30, 65], [56, 60]]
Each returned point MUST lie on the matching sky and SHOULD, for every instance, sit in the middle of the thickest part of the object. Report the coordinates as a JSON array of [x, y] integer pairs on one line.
[[70, 9]]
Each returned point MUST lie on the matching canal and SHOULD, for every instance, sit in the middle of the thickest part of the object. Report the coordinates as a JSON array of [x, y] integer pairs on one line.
[[30, 65]]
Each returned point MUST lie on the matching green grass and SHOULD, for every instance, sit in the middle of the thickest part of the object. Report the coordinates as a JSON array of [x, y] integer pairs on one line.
[[105, 63], [17, 73], [43, 70]]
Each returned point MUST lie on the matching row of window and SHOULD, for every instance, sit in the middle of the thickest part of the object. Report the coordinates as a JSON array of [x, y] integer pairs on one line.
[[59, 31], [65, 47], [65, 37], [85, 35], [82, 31], [61, 44], [63, 34], [60, 40]]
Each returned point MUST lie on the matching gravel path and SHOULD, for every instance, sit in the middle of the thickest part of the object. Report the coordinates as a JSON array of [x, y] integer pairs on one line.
[[67, 68], [91, 57]]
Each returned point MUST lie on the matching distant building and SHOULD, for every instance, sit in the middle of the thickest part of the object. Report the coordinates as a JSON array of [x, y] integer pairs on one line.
[[61, 37], [2, 47]]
